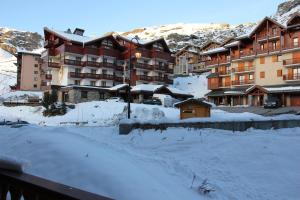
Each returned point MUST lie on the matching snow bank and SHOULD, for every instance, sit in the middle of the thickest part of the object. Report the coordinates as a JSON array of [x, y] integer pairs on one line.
[[8, 71], [161, 165], [195, 85], [12, 164]]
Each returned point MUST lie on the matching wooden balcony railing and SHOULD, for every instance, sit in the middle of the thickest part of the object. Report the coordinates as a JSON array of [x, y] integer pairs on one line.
[[291, 46], [261, 51], [91, 76], [159, 68], [291, 61], [242, 82], [76, 75], [108, 65], [143, 66], [28, 187], [227, 72], [291, 77], [211, 62], [73, 62], [247, 53], [243, 69], [144, 78]]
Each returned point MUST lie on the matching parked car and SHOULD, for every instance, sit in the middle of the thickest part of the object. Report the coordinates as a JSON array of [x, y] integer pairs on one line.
[[114, 99], [272, 102], [152, 102]]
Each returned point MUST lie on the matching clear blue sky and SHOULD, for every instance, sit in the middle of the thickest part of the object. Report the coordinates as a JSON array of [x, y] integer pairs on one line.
[[100, 16]]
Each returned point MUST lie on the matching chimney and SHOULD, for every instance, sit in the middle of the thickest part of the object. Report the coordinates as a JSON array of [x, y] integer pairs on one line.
[[68, 31], [78, 31]]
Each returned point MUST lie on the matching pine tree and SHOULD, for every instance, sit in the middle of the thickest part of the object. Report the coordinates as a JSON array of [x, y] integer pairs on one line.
[[46, 100]]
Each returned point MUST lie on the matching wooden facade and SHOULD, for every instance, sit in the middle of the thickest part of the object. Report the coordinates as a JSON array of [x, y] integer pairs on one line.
[[193, 108], [268, 56]]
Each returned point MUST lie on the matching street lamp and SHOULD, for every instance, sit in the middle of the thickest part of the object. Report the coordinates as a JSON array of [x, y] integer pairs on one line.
[[137, 55]]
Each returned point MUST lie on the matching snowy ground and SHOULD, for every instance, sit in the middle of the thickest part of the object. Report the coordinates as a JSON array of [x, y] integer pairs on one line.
[[195, 85], [101, 113], [153, 165]]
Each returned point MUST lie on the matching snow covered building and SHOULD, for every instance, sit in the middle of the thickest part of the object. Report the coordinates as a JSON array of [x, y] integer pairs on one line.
[[262, 63], [74, 59], [29, 71]]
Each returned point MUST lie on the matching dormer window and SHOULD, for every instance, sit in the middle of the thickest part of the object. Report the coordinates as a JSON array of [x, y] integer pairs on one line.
[[158, 47], [107, 43]]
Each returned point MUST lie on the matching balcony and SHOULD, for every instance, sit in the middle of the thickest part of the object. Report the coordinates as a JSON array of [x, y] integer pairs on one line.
[[91, 64], [295, 45], [158, 79], [144, 78], [73, 62], [76, 75], [291, 77], [143, 66], [108, 65], [262, 51], [91, 76], [243, 69], [159, 68], [109, 52], [291, 62], [211, 62], [242, 82], [265, 36], [26, 186], [224, 73], [53, 65]]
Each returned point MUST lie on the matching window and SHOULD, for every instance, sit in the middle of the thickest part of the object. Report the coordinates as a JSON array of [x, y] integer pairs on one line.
[[93, 71], [36, 65], [228, 58], [93, 83], [78, 58], [104, 71], [84, 94], [241, 78], [35, 79], [262, 60], [296, 71], [295, 42], [107, 43], [279, 73], [275, 58], [262, 74], [251, 77], [77, 82], [274, 31], [262, 47], [93, 59], [36, 72], [103, 83], [35, 85]]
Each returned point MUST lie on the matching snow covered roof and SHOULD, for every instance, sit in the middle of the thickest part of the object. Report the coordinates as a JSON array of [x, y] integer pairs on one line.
[[117, 87], [232, 44], [145, 87], [84, 87], [215, 50], [190, 100], [283, 88], [153, 88], [69, 36]]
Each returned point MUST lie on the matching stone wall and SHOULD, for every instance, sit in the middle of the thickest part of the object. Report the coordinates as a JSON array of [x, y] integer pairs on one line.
[[126, 128]]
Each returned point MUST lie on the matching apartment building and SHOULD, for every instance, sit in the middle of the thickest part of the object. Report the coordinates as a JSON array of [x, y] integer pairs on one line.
[[74, 59], [263, 63], [28, 71], [189, 59]]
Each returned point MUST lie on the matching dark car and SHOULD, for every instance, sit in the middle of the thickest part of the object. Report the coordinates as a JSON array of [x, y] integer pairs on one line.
[[152, 102], [272, 103]]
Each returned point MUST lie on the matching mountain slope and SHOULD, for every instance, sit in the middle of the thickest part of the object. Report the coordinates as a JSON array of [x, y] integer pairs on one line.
[[181, 34], [8, 71]]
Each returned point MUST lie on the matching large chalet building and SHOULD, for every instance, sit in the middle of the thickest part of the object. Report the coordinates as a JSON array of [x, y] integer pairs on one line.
[[189, 58], [257, 65], [74, 59]]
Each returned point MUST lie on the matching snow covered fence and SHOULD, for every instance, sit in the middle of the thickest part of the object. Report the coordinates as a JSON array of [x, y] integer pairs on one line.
[[126, 128]]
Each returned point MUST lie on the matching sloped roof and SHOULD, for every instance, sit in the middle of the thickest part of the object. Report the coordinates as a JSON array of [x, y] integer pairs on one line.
[[297, 14], [192, 100], [264, 20]]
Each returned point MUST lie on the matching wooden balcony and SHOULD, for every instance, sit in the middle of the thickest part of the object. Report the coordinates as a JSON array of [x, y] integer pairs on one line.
[[53, 65], [211, 62], [73, 62], [262, 51], [108, 65], [74, 49], [91, 76], [290, 62], [159, 68], [76, 75], [224, 73], [247, 54], [28, 187], [242, 82], [143, 66], [144, 78], [109, 52], [91, 64], [291, 46], [291, 77], [243, 69]]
